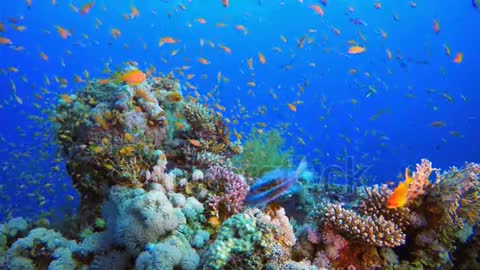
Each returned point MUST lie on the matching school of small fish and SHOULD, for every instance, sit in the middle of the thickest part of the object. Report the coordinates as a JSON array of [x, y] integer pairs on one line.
[[224, 61]]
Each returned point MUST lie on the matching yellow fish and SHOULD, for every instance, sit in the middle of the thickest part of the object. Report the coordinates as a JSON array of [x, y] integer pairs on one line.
[[399, 195]]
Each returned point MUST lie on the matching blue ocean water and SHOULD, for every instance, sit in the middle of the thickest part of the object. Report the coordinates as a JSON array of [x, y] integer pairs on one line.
[[380, 117]]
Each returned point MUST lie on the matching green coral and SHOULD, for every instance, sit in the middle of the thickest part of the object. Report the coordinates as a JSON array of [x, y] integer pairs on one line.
[[263, 152]]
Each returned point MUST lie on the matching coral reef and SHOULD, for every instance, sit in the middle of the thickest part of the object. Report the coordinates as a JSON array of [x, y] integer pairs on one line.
[[159, 190]]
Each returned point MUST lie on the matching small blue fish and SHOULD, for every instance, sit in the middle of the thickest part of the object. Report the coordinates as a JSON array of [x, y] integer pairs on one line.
[[273, 185]]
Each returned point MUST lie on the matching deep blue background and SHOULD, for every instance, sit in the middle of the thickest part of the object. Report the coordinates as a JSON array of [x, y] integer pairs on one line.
[[409, 86]]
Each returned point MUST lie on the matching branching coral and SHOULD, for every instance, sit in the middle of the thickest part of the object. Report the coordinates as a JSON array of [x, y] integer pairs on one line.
[[420, 180], [230, 190], [368, 229], [374, 205]]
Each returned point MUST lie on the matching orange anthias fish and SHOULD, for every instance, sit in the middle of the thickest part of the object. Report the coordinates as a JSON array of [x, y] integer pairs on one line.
[[133, 77], [356, 50], [63, 32], [86, 8], [167, 40], [399, 195], [225, 3]]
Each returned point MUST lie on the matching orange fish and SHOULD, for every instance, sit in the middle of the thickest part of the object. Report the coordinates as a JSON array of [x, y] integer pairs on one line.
[[225, 3], [133, 77], [261, 58], [195, 143], [63, 32], [225, 49], [203, 61], [134, 12], [86, 8], [458, 58], [44, 56], [356, 50], [241, 28], [318, 9], [115, 33], [292, 107], [436, 26], [167, 40], [399, 195], [5, 41]]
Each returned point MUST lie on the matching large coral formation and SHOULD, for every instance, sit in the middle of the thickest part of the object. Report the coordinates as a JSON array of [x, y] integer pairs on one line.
[[159, 190], [450, 209], [438, 219]]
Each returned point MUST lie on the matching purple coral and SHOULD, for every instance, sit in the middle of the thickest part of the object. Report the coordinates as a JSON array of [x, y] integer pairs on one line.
[[231, 190]]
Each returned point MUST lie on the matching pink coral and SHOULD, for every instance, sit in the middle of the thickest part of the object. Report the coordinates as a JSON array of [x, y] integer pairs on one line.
[[279, 219], [231, 190], [334, 242], [420, 179]]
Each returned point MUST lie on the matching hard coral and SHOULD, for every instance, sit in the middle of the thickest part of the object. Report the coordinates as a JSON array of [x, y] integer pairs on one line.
[[375, 205], [420, 179], [229, 189], [246, 242], [372, 230]]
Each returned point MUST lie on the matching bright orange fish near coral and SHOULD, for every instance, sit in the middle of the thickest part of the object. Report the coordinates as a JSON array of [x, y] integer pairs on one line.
[[132, 77], [399, 195]]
